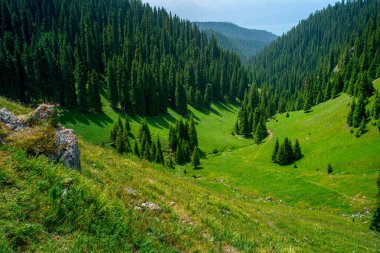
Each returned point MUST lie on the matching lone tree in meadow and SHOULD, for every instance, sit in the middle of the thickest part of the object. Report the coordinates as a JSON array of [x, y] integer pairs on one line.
[[297, 151], [329, 169], [275, 151], [195, 160], [261, 131]]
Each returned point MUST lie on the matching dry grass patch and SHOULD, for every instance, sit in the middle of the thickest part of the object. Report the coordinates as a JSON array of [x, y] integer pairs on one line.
[[35, 141]]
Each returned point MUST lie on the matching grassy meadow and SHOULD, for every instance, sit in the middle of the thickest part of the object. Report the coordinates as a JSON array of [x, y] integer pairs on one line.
[[237, 202]]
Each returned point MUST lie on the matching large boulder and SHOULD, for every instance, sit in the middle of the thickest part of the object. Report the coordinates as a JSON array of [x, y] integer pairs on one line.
[[43, 113], [11, 121], [67, 149]]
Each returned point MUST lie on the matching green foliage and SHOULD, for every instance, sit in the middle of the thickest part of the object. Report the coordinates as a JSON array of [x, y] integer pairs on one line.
[[285, 153], [297, 151], [275, 151], [351, 113], [305, 67], [359, 112], [137, 54], [183, 140], [329, 169], [195, 160], [180, 99], [261, 131]]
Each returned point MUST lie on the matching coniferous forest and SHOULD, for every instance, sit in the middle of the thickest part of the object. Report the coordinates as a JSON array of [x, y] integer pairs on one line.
[[142, 59], [336, 49]]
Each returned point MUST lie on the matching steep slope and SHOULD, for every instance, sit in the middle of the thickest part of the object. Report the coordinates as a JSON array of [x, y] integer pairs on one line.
[[144, 59], [48, 208], [245, 42], [335, 49]]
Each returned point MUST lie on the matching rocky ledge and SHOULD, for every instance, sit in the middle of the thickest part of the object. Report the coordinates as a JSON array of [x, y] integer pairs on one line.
[[66, 142]]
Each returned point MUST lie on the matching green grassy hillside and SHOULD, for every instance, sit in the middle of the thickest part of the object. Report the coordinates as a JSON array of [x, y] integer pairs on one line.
[[324, 139], [240, 201], [47, 208]]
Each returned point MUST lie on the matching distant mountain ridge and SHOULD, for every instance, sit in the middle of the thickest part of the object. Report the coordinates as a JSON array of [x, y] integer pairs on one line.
[[245, 42]]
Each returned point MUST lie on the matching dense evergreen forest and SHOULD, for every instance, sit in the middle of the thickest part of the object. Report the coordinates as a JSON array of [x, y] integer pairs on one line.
[[336, 49], [143, 59]]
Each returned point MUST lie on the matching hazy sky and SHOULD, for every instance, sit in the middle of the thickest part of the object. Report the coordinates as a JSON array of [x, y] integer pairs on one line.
[[277, 16]]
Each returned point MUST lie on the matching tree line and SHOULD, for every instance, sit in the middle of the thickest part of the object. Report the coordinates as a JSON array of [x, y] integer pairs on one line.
[[142, 59]]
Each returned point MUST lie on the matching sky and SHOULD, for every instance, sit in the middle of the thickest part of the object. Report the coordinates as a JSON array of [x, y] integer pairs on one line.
[[277, 16]]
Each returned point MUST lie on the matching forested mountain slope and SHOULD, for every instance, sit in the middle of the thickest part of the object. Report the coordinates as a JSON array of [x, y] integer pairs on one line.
[[335, 49], [245, 42], [145, 59]]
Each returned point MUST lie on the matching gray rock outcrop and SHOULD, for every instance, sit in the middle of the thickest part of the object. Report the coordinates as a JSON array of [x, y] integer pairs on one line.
[[13, 122], [67, 148], [66, 142], [43, 113]]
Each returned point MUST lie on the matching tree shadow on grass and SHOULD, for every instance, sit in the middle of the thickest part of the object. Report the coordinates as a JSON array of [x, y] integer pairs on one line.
[[73, 117], [161, 121]]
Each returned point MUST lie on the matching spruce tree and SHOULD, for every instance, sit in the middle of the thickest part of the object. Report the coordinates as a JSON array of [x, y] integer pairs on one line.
[[173, 140], [244, 124], [153, 152], [193, 137], [127, 127], [362, 127], [144, 131], [93, 101], [307, 103], [180, 99], [261, 131], [159, 155], [111, 80], [359, 112], [285, 153], [195, 158], [136, 150], [236, 128], [275, 151], [180, 154], [297, 151], [146, 151], [80, 82], [208, 96], [351, 113], [281, 155], [329, 169], [120, 142]]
